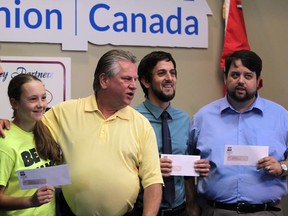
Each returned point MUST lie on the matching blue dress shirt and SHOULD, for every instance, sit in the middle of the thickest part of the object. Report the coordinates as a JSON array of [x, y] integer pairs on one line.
[[218, 124], [179, 130]]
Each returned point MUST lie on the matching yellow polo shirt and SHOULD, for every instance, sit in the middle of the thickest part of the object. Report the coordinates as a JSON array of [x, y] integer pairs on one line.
[[106, 157]]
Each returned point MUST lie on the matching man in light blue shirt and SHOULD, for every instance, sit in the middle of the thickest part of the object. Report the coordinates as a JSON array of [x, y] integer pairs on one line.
[[157, 75], [242, 117]]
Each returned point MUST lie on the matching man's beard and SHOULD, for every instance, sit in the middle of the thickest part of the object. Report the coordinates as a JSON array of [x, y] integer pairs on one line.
[[161, 96], [248, 96]]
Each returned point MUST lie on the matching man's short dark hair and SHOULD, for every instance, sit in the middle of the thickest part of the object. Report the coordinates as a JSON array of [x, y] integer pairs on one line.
[[248, 58], [148, 63]]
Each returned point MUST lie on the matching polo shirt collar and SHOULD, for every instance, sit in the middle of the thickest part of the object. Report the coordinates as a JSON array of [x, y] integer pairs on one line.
[[91, 106]]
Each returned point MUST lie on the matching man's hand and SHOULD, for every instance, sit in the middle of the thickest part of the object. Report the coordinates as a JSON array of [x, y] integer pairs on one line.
[[270, 165], [166, 166], [202, 166], [4, 124]]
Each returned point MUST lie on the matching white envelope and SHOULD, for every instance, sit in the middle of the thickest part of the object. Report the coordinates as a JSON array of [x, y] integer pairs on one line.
[[36, 178], [183, 165], [244, 154]]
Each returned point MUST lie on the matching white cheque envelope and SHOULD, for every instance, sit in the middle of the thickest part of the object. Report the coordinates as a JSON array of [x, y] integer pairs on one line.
[[183, 165], [36, 178], [244, 155]]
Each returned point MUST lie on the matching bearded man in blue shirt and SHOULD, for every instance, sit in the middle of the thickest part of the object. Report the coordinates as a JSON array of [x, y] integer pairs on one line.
[[241, 118], [158, 75]]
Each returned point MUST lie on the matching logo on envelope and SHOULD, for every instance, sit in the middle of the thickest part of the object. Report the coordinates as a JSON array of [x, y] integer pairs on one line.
[[234, 157]]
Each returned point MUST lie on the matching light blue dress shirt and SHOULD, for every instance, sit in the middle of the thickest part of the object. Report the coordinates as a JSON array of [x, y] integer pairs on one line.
[[218, 124], [179, 130]]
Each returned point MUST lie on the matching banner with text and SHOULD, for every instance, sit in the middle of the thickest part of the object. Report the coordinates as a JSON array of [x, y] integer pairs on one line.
[[74, 23]]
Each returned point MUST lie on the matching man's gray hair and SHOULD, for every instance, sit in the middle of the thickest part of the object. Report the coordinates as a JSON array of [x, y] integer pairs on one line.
[[108, 65]]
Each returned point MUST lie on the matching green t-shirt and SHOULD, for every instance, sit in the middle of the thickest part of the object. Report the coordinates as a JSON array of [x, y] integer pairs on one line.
[[18, 152]]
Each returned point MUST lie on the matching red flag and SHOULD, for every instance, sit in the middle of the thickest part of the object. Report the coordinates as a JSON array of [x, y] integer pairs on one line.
[[235, 30]]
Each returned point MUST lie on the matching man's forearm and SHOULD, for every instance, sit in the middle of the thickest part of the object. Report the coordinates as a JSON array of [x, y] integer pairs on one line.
[[152, 199]]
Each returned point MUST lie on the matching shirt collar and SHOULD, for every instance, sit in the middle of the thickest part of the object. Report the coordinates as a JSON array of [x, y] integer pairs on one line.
[[256, 107], [155, 110], [91, 106]]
